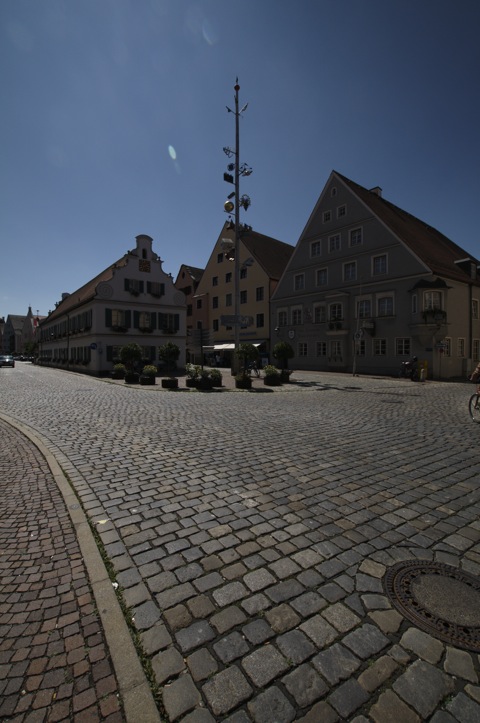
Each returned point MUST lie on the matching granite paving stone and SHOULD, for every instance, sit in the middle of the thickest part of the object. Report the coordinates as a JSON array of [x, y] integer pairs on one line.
[[278, 547]]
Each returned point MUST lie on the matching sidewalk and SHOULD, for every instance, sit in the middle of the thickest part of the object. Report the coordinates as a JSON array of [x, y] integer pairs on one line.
[[55, 663]]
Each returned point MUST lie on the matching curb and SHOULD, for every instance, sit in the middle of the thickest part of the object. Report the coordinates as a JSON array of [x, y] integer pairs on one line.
[[137, 698]]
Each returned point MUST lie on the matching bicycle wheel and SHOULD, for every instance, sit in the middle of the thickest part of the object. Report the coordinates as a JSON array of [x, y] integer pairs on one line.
[[474, 407]]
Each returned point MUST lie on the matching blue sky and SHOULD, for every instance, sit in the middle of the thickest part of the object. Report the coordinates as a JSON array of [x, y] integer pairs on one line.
[[113, 120]]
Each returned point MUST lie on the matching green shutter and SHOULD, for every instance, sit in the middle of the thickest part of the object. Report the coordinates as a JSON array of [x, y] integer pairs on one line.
[[108, 317], [128, 319]]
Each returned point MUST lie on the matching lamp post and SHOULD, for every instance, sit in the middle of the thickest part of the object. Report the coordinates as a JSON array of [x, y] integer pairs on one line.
[[239, 170]]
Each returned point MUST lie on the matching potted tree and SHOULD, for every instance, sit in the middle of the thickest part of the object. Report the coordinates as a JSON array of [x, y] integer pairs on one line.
[[148, 374], [246, 353], [283, 351], [168, 354], [131, 355], [216, 377]]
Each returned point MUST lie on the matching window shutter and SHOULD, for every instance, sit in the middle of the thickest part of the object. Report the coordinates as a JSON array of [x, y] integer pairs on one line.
[[136, 319], [152, 353], [141, 285], [128, 319], [109, 353], [176, 322], [149, 287], [108, 317], [127, 284], [153, 319]]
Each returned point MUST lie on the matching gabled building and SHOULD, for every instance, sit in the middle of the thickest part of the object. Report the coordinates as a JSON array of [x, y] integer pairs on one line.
[[12, 334], [187, 281], [132, 301], [369, 286], [262, 262], [29, 339]]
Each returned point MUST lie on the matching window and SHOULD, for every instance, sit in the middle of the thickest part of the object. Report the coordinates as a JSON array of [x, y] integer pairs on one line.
[[355, 236], [380, 347], [215, 281], [296, 316], [282, 318], [474, 308], [302, 348], [327, 216], [321, 348], [322, 277], [360, 348], [402, 346], [333, 192], [228, 300], [155, 289], [260, 293], [199, 303], [119, 319], [215, 302], [448, 346], [145, 320], [379, 265], [432, 300], [335, 312], [169, 322], [336, 350], [299, 282], [228, 277], [385, 306], [364, 309], [260, 321], [476, 350], [461, 347], [220, 258], [350, 271], [243, 273], [341, 211], [243, 297], [315, 248], [414, 304], [319, 314], [215, 325], [334, 243]]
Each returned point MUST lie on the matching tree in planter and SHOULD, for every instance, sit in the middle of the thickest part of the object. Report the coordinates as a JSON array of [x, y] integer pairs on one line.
[[168, 354], [130, 355], [148, 374], [283, 351], [246, 353]]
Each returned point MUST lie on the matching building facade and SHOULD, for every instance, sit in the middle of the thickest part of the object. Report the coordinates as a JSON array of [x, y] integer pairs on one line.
[[132, 301], [187, 281], [369, 286], [262, 262]]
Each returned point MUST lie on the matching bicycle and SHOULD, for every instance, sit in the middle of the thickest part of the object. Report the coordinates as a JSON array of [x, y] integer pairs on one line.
[[474, 405], [253, 370]]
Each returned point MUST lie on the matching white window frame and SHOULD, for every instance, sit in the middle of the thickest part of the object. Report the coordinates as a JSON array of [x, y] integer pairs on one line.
[[334, 243], [432, 300], [342, 211], [378, 258], [379, 347], [327, 216], [319, 313], [475, 309], [323, 271], [361, 313], [383, 298], [282, 317], [353, 234], [315, 249], [299, 282], [336, 349], [476, 350], [403, 346], [321, 348], [351, 265], [461, 347], [414, 303], [297, 315], [302, 348], [334, 313], [448, 346]]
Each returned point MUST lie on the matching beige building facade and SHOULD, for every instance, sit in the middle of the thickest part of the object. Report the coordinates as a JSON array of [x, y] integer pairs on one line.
[[132, 301]]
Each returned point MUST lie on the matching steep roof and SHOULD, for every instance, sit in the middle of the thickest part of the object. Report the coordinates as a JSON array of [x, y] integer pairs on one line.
[[438, 252], [271, 254], [16, 321], [86, 292]]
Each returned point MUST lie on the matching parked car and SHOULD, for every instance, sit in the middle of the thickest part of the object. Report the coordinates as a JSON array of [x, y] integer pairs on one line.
[[6, 360]]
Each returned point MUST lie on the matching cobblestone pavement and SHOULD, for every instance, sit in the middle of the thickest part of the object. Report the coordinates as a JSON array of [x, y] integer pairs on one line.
[[54, 663], [250, 533]]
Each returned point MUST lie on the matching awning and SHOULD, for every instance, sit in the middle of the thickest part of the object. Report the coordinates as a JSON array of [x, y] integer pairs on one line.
[[225, 347]]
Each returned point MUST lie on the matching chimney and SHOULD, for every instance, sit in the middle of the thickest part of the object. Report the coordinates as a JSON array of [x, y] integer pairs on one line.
[[65, 295], [377, 191]]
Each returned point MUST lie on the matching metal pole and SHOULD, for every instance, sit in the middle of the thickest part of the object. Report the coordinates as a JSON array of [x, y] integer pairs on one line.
[[235, 361]]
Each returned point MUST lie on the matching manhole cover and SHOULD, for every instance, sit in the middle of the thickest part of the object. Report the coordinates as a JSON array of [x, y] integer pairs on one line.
[[441, 600]]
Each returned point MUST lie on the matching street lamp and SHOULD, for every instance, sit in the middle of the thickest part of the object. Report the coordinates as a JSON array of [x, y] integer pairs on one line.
[[240, 201]]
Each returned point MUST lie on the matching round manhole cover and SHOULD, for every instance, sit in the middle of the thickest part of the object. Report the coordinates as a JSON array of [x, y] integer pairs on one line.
[[441, 600]]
